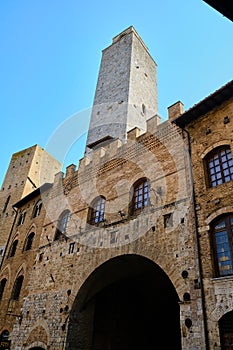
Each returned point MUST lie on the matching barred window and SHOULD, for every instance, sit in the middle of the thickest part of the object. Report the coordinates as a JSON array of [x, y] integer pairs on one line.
[[219, 166], [140, 195]]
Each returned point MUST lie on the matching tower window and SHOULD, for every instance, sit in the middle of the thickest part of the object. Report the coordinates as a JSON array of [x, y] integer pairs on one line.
[[6, 204], [143, 109], [71, 248], [21, 218], [37, 209]]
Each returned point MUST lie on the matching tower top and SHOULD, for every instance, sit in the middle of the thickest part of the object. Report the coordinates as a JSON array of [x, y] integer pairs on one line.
[[126, 91], [127, 31]]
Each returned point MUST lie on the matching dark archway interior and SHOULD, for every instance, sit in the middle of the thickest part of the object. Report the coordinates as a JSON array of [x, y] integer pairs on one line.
[[128, 303], [226, 331]]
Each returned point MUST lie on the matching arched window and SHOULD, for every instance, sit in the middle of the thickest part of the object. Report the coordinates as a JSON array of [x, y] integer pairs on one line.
[[219, 165], [62, 224], [2, 287], [21, 218], [37, 209], [222, 229], [29, 241], [96, 211], [140, 196], [13, 248], [17, 288]]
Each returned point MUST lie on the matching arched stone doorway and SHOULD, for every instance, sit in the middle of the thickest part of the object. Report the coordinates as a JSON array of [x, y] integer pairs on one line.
[[226, 331], [127, 303]]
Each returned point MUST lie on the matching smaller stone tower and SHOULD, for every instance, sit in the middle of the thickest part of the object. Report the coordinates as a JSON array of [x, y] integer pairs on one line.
[[126, 92], [28, 170]]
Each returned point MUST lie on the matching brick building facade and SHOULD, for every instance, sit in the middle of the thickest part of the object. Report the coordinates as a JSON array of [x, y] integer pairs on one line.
[[120, 252], [209, 128]]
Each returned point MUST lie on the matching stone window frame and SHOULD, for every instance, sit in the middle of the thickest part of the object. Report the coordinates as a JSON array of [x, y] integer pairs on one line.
[[217, 162]]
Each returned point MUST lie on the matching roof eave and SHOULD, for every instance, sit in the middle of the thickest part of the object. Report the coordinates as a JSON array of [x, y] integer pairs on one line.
[[209, 103]]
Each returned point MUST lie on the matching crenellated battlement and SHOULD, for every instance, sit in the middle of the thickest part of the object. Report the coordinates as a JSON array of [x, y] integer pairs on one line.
[[115, 153]]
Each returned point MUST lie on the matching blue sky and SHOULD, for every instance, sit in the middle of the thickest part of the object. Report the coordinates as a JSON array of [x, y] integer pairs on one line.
[[51, 52]]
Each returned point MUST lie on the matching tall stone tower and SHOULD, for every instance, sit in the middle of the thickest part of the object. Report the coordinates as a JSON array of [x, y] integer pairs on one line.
[[28, 170], [126, 92]]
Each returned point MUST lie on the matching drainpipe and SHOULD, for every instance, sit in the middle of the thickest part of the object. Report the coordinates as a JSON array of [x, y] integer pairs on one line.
[[198, 246]]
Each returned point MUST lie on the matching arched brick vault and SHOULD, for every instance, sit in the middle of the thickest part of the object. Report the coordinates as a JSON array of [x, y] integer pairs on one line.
[[151, 253], [148, 251], [37, 346], [121, 267], [133, 276]]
